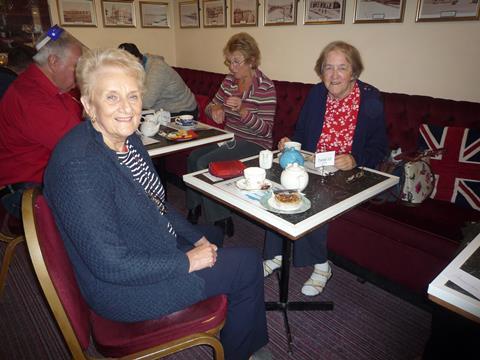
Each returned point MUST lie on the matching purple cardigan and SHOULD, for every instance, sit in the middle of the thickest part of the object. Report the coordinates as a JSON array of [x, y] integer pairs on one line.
[[370, 143]]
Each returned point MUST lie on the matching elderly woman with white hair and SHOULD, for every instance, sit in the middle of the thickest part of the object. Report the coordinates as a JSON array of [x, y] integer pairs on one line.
[[134, 256]]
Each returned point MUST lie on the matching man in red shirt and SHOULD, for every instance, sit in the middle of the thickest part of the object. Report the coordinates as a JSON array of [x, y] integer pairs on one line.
[[35, 113]]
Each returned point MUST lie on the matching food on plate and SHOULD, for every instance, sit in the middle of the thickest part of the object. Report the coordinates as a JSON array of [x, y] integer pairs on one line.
[[181, 135], [287, 200]]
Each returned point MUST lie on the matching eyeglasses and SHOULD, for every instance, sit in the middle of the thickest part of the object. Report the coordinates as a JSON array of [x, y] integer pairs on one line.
[[234, 62], [52, 34], [339, 68]]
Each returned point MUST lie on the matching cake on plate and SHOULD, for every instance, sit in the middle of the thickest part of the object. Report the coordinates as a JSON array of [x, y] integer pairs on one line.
[[286, 200]]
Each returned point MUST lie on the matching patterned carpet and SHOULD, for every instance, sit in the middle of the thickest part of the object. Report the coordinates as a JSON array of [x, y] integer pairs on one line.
[[366, 323]]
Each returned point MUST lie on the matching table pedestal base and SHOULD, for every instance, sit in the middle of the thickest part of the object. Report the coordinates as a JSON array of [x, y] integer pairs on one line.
[[283, 304]]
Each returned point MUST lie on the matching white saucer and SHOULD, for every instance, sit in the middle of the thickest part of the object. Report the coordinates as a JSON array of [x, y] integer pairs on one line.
[[267, 204], [242, 185], [329, 169]]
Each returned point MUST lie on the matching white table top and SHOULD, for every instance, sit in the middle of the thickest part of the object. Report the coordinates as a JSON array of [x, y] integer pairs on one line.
[[457, 287], [207, 134], [295, 226]]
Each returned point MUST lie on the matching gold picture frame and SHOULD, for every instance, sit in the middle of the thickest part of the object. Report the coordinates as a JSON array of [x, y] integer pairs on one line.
[[118, 13], [244, 12], [429, 10], [77, 13], [214, 13], [189, 14], [154, 14], [319, 12], [388, 11]]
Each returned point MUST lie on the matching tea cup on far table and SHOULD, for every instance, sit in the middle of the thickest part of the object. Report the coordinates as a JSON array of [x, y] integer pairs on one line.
[[296, 145], [184, 120], [254, 177]]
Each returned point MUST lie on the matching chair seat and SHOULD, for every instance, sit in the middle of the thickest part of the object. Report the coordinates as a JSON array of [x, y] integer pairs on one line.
[[116, 339]]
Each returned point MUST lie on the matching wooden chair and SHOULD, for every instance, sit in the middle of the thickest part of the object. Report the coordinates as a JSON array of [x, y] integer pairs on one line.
[[197, 325], [11, 233]]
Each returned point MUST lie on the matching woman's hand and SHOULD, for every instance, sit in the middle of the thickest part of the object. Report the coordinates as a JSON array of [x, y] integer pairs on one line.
[[345, 162], [202, 241], [202, 256], [234, 102], [281, 143], [218, 114]]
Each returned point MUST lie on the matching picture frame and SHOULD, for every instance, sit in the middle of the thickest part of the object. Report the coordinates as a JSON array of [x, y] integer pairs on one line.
[[280, 12], [319, 12], [154, 14], [430, 10], [244, 12], [214, 13], [389, 11], [77, 13], [118, 13], [189, 14]]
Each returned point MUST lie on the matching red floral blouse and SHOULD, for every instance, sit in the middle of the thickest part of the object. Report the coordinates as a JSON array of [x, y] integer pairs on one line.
[[339, 124]]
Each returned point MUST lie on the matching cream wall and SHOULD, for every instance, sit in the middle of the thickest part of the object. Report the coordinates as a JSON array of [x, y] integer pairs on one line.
[[148, 40], [439, 59]]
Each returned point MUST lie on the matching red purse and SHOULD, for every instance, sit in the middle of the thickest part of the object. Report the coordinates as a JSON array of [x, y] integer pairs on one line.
[[226, 169]]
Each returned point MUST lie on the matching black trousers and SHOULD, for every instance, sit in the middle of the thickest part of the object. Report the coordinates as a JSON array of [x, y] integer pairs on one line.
[[238, 273]]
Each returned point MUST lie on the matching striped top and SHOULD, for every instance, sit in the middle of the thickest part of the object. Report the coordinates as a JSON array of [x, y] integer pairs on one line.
[[260, 100], [149, 180]]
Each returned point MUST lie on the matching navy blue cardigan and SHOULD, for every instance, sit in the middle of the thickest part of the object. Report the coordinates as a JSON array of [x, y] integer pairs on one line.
[[126, 262], [370, 144]]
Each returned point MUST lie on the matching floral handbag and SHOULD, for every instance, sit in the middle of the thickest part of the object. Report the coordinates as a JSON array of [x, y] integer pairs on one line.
[[418, 182]]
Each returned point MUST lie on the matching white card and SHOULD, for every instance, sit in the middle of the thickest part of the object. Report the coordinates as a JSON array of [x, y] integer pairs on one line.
[[324, 158]]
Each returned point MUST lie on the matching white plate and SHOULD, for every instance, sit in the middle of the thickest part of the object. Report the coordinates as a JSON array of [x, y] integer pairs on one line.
[[267, 204], [242, 185], [329, 169]]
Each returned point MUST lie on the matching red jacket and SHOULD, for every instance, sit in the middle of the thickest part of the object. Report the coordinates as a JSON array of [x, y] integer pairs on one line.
[[34, 116]]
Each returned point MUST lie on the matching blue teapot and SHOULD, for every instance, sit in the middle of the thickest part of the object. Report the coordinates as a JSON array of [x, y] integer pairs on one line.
[[289, 156]]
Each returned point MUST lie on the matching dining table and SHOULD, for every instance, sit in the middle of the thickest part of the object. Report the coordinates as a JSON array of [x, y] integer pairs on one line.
[[162, 144], [327, 196]]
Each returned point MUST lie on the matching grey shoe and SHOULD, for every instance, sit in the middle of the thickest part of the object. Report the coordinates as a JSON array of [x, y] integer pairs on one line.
[[262, 354]]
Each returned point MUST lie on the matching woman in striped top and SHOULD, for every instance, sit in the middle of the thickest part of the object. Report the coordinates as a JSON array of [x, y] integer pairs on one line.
[[245, 104]]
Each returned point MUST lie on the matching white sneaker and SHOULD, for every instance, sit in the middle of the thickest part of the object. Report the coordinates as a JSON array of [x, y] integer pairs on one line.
[[269, 266], [317, 281]]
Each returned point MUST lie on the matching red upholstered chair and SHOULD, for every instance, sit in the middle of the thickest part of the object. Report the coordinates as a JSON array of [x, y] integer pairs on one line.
[[197, 325], [11, 233]]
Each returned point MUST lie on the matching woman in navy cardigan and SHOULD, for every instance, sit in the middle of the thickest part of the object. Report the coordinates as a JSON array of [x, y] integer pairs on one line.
[[340, 114], [134, 256]]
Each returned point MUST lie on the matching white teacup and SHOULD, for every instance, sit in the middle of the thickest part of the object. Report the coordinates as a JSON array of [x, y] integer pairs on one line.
[[254, 177], [296, 145], [184, 120], [149, 128]]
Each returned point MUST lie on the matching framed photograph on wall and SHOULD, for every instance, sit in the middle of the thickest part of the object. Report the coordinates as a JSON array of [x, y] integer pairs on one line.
[[119, 13], [434, 10], [214, 13], [367, 11], [280, 12], [324, 12], [77, 12], [189, 14], [244, 12], [154, 14]]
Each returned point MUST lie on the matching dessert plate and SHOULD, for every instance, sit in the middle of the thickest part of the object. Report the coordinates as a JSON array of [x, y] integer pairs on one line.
[[182, 136], [242, 185], [268, 203]]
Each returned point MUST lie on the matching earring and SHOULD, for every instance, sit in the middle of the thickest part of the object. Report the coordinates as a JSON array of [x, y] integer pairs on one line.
[[93, 119]]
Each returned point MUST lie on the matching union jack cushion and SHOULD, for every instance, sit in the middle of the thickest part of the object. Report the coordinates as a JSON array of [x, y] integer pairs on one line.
[[457, 168]]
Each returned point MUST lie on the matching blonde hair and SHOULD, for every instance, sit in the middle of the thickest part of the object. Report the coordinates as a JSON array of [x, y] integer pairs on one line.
[[246, 45], [351, 54], [93, 61]]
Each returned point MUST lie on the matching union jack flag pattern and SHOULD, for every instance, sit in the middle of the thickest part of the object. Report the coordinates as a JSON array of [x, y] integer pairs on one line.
[[457, 167]]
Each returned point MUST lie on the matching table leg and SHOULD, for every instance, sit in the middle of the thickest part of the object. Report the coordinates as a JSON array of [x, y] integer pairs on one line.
[[283, 304]]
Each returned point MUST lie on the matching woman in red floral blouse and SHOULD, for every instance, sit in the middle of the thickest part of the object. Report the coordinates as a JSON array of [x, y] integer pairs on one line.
[[344, 115]]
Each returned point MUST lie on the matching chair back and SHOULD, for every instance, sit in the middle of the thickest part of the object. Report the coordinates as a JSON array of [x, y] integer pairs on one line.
[[55, 273]]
